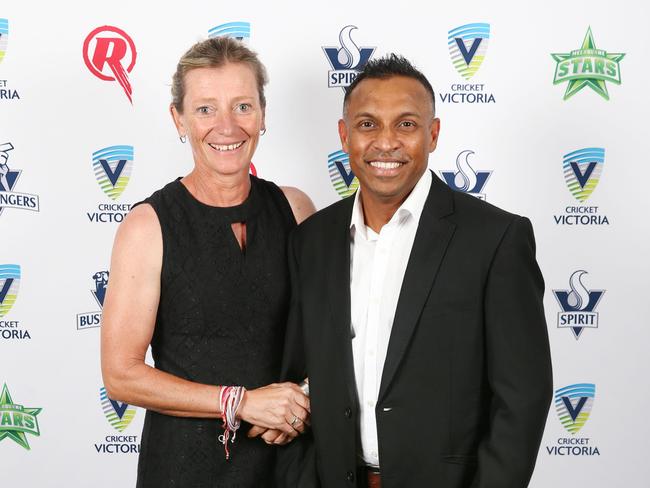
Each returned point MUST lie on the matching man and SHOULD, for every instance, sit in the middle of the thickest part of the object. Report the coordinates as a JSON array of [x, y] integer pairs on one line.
[[417, 315]]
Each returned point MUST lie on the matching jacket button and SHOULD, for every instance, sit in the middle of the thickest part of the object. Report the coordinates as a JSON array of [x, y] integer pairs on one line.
[[348, 412], [350, 476]]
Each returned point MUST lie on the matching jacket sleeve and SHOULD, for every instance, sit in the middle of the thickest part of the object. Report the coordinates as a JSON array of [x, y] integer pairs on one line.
[[296, 461], [518, 362]]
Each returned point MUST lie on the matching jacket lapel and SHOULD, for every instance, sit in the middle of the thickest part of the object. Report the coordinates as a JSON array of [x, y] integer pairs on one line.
[[431, 240], [338, 286]]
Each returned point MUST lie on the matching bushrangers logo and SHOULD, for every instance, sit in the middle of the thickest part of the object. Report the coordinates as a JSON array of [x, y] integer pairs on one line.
[[467, 47], [347, 60], [17, 420], [573, 404], [91, 320], [4, 37], [110, 55], [8, 179], [113, 166], [238, 30], [343, 179], [578, 305], [582, 169], [9, 283], [118, 414], [466, 179]]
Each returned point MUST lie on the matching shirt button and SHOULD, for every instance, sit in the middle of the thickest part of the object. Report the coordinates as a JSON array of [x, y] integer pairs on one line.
[[348, 412], [374, 454], [350, 476], [371, 403]]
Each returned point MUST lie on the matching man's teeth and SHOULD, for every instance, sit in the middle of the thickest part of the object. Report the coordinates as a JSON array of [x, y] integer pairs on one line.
[[226, 147], [385, 164]]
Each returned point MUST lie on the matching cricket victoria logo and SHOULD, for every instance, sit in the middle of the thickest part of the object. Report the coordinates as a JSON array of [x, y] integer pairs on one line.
[[573, 404], [582, 169], [467, 49], [112, 167]]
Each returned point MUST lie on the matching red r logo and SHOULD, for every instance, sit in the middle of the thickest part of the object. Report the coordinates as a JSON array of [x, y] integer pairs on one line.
[[109, 54]]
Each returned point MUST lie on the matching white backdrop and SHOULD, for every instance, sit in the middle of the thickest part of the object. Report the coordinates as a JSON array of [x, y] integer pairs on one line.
[[55, 114]]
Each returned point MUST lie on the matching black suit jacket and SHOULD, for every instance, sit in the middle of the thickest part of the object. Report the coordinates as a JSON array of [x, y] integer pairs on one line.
[[467, 380]]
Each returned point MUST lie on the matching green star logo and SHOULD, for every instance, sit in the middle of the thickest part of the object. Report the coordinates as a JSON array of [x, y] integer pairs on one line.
[[16, 420], [587, 66]]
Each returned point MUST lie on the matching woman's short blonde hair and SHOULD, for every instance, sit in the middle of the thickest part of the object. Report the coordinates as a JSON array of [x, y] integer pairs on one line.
[[214, 53]]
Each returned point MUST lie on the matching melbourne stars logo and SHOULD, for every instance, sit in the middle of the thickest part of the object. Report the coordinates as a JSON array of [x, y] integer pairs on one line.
[[9, 284], [347, 60], [343, 179], [8, 179], [119, 415], [90, 320], [582, 170], [465, 179], [112, 167], [587, 66], [6, 93], [467, 48], [17, 420], [237, 30], [110, 55], [573, 404], [578, 305]]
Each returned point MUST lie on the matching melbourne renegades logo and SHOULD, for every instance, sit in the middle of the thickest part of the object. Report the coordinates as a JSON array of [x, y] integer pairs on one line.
[[109, 54]]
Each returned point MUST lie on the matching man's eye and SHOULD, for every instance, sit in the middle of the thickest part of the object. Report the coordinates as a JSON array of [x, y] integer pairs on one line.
[[407, 123], [366, 124], [244, 107], [203, 110]]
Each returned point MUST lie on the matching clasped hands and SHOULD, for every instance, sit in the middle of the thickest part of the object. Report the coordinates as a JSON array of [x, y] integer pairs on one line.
[[278, 412]]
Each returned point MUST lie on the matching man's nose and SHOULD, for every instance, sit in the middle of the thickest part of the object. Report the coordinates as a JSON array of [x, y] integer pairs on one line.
[[387, 140]]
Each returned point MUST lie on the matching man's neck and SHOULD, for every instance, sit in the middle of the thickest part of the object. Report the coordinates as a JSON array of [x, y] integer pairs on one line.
[[378, 212]]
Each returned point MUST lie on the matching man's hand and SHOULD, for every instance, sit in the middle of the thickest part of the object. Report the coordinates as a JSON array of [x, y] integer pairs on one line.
[[270, 436]]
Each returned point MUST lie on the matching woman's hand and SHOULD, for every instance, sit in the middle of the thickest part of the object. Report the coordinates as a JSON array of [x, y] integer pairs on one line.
[[279, 406]]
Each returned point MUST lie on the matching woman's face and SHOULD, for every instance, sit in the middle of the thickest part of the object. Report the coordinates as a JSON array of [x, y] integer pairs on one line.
[[222, 117]]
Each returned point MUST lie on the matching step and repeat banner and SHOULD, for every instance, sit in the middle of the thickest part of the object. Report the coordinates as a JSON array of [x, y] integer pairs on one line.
[[544, 113]]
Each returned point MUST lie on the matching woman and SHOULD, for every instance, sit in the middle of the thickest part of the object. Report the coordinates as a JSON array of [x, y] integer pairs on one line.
[[199, 273]]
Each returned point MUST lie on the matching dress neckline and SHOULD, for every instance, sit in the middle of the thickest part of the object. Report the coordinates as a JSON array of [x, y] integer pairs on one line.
[[236, 213]]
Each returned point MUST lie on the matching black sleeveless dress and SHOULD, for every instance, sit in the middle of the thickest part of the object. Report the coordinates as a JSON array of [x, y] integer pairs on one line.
[[220, 321]]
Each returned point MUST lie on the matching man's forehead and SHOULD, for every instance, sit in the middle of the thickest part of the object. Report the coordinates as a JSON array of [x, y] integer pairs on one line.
[[397, 92]]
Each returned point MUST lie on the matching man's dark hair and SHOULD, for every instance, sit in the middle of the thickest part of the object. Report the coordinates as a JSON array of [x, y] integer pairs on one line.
[[386, 67]]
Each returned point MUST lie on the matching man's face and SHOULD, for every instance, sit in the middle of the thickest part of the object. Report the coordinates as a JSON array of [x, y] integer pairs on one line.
[[388, 131]]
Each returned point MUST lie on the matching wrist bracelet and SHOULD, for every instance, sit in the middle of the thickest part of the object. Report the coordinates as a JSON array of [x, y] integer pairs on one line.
[[229, 399]]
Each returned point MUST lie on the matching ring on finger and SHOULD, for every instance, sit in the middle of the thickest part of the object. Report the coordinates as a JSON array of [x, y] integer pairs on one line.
[[295, 419]]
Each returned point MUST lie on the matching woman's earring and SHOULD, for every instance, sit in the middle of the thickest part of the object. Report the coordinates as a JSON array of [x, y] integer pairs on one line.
[[183, 139], [263, 131]]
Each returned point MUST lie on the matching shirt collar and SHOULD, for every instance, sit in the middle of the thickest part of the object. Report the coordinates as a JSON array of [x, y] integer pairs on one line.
[[411, 207]]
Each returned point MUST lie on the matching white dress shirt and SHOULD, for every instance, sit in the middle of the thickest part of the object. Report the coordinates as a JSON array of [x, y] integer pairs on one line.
[[377, 267]]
